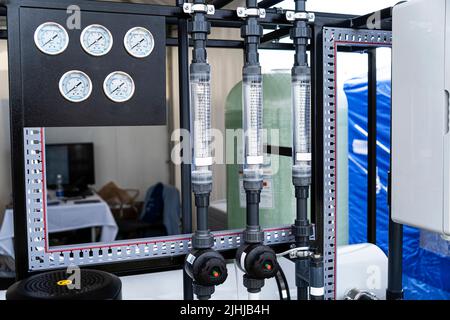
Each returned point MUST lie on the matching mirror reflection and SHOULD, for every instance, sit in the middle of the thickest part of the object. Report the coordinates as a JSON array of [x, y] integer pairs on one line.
[[106, 184]]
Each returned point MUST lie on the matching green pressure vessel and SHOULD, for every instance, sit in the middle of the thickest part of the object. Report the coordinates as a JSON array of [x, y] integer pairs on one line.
[[277, 205]]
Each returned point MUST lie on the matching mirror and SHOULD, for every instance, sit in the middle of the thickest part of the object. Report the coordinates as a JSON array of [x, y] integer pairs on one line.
[[102, 184], [107, 183]]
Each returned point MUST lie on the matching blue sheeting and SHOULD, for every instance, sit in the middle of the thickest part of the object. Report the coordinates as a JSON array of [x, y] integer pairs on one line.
[[426, 263]]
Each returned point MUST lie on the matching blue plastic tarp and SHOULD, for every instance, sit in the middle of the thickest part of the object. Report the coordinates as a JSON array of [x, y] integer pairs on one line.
[[426, 257]]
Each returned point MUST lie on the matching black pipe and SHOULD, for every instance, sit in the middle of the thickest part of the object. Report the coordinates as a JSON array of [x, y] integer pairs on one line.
[[302, 291], [231, 44], [199, 30], [253, 199], [302, 194], [186, 200], [394, 289], [202, 204], [302, 225], [395, 259], [372, 148]]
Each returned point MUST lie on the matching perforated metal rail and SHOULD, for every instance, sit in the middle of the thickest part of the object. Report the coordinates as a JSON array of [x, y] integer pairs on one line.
[[332, 39], [43, 257]]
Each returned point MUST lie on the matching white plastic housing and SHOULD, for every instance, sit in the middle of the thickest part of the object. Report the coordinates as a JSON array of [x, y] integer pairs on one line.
[[420, 115], [361, 266]]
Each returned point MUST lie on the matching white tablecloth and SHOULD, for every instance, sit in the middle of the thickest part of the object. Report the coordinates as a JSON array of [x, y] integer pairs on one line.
[[65, 217]]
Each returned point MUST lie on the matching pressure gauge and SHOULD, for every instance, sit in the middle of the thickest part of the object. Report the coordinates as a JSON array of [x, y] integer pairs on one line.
[[75, 86], [139, 42], [119, 86], [51, 38], [96, 40]]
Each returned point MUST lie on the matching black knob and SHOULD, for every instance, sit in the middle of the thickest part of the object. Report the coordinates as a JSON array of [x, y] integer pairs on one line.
[[258, 261], [206, 267]]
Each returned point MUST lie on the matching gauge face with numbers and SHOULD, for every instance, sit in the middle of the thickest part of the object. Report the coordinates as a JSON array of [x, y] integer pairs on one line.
[[96, 40], [119, 86], [75, 86], [51, 38], [139, 42]]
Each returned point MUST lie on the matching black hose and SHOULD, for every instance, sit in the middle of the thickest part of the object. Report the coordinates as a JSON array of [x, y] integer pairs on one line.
[[283, 285]]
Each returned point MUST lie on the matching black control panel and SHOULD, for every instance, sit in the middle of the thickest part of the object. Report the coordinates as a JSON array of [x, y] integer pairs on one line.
[[43, 101]]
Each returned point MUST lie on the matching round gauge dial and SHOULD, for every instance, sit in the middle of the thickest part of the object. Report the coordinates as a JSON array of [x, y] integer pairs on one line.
[[96, 40], [139, 42], [119, 86], [75, 86], [51, 38]]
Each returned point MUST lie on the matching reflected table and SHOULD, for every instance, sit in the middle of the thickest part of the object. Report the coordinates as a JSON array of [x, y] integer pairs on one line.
[[67, 216]]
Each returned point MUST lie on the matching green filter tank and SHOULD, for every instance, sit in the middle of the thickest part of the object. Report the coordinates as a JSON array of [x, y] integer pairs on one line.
[[277, 207]]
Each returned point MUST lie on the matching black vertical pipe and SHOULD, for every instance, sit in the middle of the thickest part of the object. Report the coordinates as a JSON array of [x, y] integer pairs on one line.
[[302, 291], [395, 259], [372, 148], [186, 200], [394, 289], [202, 215], [253, 199]]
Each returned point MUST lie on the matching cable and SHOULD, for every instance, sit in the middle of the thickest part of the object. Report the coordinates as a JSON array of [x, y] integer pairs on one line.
[[283, 285]]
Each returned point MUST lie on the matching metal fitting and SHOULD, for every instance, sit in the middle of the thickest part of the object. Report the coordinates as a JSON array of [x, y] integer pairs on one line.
[[302, 252], [198, 7], [356, 294], [307, 16], [250, 12]]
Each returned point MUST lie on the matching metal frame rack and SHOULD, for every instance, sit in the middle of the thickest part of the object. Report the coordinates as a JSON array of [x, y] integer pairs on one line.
[[160, 254]]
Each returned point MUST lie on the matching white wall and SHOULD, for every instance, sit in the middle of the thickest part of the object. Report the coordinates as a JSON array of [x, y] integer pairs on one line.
[[5, 154]]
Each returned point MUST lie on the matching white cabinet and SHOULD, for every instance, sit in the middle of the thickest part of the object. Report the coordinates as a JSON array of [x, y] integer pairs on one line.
[[420, 114]]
